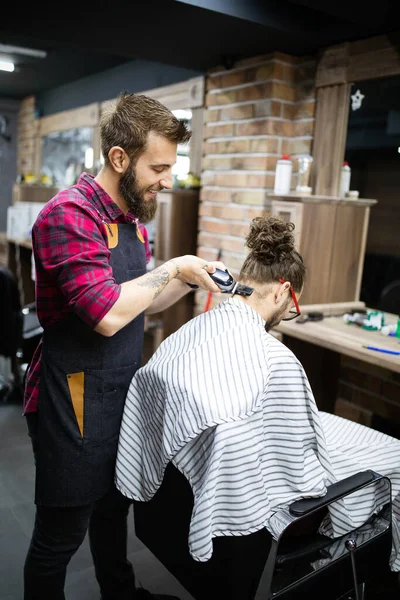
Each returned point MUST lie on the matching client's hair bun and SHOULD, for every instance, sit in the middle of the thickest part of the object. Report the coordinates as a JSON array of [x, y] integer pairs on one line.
[[270, 239]]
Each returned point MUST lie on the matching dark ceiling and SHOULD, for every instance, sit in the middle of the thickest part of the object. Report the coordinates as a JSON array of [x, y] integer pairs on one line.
[[196, 34]]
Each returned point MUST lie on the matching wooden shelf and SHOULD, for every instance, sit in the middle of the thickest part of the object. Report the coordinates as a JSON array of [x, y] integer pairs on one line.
[[293, 197], [25, 243], [19, 261], [34, 192]]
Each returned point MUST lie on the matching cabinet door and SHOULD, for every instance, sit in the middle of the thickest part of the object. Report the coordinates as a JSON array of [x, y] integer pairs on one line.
[[316, 248], [349, 241], [176, 224], [176, 235], [290, 212]]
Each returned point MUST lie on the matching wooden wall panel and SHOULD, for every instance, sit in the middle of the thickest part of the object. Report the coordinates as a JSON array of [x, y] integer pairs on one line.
[[85, 116], [371, 58], [186, 94], [332, 66], [333, 103], [384, 62], [196, 142]]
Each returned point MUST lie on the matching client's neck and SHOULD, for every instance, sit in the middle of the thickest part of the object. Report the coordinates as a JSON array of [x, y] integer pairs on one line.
[[258, 300]]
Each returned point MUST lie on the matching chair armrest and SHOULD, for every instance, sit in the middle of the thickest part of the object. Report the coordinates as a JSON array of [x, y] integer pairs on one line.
[[334, 492]]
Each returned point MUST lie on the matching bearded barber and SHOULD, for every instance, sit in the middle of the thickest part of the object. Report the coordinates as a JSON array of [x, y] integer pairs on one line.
[[92, 289]]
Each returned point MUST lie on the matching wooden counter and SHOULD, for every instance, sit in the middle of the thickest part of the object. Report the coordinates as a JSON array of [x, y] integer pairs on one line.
[[334, 334], [347, 379], [321, 199]]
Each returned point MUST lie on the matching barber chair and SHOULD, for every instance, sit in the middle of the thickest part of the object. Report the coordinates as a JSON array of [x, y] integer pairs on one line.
[[20, 333], [10, 330], [31, 333], [301, 564]]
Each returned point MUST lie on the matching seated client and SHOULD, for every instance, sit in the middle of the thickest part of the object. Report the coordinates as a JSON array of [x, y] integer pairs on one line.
[[231, 407]]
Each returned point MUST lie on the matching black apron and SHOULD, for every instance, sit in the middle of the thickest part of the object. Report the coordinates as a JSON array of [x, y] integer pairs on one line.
[[83, 385]]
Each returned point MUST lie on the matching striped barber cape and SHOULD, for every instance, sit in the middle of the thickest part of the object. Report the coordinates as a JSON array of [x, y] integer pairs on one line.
[[231, 407]]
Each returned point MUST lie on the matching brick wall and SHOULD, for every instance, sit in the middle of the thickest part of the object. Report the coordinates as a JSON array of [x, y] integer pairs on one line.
[[26, 136], [370, 395], [260, 109]]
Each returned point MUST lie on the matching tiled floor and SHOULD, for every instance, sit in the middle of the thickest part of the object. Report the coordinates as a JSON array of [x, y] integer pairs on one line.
[[16, 522]]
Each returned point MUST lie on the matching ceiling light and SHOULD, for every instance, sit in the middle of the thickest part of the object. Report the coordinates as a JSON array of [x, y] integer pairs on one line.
[[6, 65], [26, 51]]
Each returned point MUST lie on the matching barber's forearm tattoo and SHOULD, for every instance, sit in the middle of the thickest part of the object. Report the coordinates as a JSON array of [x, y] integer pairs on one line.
[[156, 280]]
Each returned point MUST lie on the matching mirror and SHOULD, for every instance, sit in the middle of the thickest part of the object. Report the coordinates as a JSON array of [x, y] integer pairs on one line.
[[373, 153], [66, 154]]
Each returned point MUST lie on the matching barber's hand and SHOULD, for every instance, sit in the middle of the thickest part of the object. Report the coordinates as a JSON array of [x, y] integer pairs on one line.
[[192, 269]]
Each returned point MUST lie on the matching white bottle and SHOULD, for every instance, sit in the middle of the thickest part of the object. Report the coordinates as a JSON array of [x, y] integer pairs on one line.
[[283, 175], [345, 175]]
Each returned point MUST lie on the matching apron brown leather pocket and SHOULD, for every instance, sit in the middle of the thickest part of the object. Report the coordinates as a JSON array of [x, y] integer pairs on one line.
[[105, 393], [76, 385]]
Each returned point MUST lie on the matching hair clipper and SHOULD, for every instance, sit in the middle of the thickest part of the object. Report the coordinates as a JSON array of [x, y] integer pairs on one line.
[[228, 285]]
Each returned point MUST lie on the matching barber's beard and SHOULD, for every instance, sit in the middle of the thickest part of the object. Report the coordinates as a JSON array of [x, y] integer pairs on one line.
[[143, 209]]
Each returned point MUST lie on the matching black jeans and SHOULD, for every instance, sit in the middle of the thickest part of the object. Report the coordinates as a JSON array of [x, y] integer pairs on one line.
[[59, 532]]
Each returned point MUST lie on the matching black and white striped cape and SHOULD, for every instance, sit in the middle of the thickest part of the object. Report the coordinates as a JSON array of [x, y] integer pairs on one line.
[[233, 410]]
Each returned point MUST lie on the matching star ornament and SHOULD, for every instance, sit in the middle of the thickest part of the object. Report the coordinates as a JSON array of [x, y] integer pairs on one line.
[[356, 100]]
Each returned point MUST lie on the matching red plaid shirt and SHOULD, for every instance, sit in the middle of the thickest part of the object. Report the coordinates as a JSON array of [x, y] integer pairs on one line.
[[73, 273]]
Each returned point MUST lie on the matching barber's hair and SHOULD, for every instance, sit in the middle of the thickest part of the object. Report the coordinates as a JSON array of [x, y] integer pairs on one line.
[[272, 253], [128, 122]]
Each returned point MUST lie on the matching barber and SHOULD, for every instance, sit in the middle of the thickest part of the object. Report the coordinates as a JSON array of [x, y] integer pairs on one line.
[[92, 290]]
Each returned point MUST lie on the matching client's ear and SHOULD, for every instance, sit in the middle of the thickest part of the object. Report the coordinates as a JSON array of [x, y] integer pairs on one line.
[[281, 292]]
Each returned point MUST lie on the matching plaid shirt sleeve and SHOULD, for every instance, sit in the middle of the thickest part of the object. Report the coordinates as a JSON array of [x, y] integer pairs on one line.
[[71, 251], [145, 235]]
